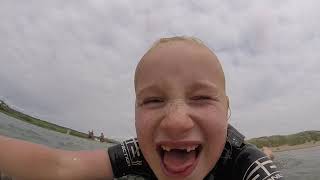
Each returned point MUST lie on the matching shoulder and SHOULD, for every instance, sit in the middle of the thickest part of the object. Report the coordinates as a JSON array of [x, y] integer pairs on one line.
[[252, 164], [243, 161]]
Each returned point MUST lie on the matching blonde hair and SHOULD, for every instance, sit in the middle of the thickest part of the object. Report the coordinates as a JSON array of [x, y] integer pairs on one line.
[[177, 38], [168, 40], [173, 39]]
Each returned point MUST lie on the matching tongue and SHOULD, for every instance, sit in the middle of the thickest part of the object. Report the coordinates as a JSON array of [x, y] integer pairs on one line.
[[178, 160]]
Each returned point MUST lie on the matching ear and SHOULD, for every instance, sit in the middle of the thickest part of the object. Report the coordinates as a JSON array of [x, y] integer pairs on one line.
[[227, 102], [228, 107]]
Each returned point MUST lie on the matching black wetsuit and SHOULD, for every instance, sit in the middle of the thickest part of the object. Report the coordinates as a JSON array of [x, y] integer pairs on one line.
[[239, 161]]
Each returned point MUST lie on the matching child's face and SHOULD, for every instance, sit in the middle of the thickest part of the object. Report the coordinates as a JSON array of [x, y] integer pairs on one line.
[[180, 105]]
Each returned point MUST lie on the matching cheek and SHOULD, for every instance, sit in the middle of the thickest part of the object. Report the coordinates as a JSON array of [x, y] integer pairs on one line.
[[212, 120], [214, 128], [217, 131], [144, 125], [139, 123], [142, 130]]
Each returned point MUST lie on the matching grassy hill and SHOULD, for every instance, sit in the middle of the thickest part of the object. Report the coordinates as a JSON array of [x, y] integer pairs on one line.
[[291, 140], [4, 108]]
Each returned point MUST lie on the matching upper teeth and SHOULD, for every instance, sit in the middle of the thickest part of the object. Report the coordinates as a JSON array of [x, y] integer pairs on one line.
[[188, 148]]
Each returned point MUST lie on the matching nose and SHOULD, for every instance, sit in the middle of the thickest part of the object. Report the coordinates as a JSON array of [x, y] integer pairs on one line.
[[176, 123]]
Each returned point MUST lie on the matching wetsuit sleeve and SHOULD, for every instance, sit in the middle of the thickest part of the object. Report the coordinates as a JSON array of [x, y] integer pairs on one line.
[[127, 159], [252, 164]]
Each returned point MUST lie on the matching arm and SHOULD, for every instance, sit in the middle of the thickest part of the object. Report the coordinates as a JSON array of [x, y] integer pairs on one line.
[[26, 160]]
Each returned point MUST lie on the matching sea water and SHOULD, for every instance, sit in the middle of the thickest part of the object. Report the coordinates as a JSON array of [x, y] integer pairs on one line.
[[303, 164]]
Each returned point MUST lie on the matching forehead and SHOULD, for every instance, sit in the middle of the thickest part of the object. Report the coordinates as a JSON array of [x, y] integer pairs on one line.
[[184, 59]]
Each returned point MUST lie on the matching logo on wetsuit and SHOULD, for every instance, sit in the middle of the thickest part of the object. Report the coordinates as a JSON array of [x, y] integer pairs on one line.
[[262, 169], [131, 152]]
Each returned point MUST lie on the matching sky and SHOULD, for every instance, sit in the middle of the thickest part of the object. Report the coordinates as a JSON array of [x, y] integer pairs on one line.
[[72, 62]]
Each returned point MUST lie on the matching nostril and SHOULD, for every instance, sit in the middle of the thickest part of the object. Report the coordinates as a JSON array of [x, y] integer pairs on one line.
[[176, 132], [177, 123]]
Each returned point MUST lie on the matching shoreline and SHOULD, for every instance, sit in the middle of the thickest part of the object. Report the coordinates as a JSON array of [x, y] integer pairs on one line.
[[306, 145], [49, 126]]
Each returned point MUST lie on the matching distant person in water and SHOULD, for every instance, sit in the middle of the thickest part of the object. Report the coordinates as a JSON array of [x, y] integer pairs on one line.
[[101, 138], [181, 119], [91, 135]]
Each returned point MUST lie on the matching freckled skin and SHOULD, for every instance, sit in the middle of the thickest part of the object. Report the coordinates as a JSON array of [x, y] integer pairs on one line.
[[170, 83]]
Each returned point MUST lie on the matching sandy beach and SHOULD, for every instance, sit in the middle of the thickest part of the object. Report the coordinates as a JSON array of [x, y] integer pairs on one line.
[[295, 147]]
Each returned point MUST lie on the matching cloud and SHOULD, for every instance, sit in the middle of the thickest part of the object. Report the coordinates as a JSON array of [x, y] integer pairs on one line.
[[73, 62]]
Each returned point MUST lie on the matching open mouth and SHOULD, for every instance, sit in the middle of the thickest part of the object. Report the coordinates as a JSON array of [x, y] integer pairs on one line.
[[179, 160]]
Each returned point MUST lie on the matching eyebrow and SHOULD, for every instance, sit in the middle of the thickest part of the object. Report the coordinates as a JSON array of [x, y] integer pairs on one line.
[[204, 84], [147, 88]]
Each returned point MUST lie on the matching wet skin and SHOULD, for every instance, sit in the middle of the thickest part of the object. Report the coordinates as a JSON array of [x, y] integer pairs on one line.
[[180, 103]]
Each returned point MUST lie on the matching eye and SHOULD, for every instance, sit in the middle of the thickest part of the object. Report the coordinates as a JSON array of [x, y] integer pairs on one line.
[[202, 97], [152, 101]]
